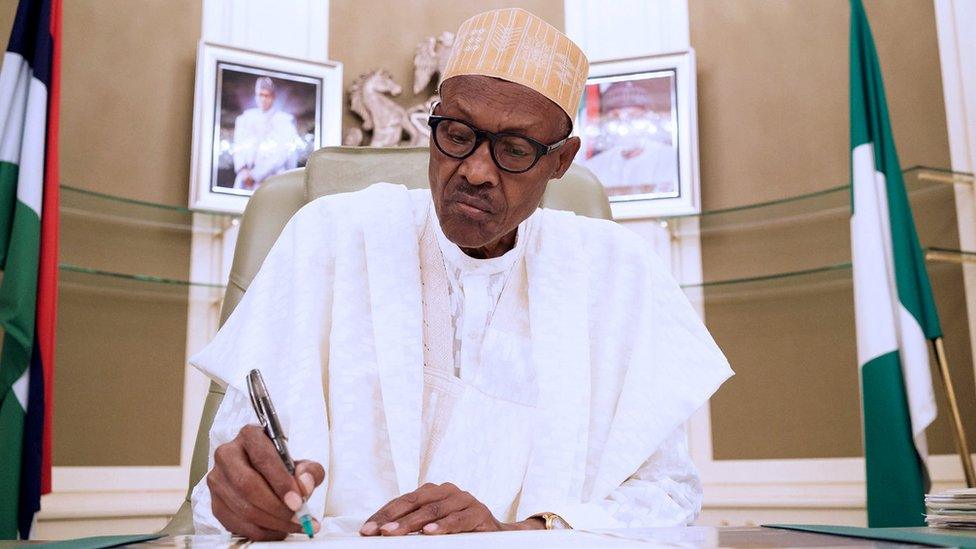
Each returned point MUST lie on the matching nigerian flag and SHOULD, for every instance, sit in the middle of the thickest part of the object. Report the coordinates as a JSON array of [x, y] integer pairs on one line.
[[894, 309], [28, 258]]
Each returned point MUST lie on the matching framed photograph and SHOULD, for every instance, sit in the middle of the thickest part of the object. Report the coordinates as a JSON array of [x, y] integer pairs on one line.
[[256, 115], [637, 122]]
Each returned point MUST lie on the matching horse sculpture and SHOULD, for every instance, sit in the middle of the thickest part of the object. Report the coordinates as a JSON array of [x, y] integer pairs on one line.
[[381, 115], [370, 98]]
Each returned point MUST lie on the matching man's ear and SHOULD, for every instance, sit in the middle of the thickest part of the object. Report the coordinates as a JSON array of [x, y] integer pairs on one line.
[[566, 154]]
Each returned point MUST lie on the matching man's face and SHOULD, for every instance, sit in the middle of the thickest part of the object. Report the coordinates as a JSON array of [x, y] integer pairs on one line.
[[478, 204], [264, 98], [627, 127], [626, 113]]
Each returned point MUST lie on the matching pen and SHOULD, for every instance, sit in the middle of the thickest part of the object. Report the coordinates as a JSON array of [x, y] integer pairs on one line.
[[265, 411]]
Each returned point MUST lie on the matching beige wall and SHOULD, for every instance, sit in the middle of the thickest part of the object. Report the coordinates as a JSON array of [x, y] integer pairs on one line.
[[126, 113], [8, 9], [127, 96], [773, 123], [372, 34], [125, 130], [772, 92]]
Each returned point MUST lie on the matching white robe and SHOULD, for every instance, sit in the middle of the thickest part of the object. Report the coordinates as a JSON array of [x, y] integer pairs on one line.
[[266, 143], [614, 361], [654, 169]]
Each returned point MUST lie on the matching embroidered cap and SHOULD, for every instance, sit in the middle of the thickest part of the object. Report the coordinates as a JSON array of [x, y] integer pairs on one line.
[[515, 45], [264, 83]]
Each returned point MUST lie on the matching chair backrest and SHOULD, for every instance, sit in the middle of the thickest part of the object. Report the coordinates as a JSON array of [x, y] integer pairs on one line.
[[334, 170]]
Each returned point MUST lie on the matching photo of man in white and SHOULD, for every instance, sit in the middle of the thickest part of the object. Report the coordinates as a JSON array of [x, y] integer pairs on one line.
[[265, 139], [636, 153]]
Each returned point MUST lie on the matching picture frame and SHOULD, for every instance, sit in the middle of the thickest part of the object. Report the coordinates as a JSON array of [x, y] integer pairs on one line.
[[256, 115], [639, 131]]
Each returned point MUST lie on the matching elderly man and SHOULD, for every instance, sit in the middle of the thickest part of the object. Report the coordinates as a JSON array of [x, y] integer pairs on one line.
[[457, 359], [265, 139]]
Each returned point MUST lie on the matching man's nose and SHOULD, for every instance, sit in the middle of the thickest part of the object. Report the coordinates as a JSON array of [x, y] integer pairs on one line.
[[479, 168]]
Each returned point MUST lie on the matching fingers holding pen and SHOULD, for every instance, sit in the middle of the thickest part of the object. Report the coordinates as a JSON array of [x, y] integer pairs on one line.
[[309, 474], [265, 460], [239, 498], [253, 491]]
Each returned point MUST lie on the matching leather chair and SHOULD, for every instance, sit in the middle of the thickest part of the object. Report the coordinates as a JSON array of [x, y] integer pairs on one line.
[[334, 170]]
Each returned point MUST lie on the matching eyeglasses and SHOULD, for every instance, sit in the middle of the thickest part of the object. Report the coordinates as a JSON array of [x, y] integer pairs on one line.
[[511, 152]]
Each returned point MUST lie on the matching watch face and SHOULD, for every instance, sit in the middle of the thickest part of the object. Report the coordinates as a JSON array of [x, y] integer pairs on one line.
[[559, 524]]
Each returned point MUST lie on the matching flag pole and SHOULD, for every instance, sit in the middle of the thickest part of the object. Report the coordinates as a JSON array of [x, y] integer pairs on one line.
[[961, 444]]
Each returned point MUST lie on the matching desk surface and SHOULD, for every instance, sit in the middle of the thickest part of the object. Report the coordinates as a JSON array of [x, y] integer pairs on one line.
[[695, 536]]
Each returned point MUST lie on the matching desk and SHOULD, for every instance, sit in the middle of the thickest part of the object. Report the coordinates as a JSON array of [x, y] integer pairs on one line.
[[695, 536]]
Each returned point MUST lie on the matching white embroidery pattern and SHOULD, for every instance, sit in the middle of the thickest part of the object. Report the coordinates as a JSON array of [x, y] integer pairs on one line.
[[475, 287], [505, 37], [565, 69], [514, 45], [473, 41], [537, 51]]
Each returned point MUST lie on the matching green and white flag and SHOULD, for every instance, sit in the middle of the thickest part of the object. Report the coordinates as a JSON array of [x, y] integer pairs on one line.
[[894, 309], [29, 99]]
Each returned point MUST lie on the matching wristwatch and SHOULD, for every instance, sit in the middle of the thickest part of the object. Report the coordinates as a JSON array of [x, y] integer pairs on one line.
[[554, 521]]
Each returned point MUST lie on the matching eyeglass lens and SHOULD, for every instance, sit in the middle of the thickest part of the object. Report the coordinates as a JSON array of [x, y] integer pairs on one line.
[[511, 152]]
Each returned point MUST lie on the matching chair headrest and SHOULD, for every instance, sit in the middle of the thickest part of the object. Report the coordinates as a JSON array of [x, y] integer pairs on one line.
[[332, 170]]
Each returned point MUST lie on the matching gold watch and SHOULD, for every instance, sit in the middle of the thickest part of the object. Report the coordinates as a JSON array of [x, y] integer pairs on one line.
[[554, 521]]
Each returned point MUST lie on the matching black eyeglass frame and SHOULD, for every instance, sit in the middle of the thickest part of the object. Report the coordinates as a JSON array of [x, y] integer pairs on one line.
[[541, 149]]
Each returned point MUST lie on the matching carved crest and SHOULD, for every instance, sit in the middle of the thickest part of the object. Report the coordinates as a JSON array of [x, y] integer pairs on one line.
[[387, 123]]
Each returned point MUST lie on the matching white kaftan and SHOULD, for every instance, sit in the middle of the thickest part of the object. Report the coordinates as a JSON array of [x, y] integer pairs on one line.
[[266, 143], [579, 361]]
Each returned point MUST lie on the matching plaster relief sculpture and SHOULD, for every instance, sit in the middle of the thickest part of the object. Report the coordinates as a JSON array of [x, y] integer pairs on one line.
[[385, 122]]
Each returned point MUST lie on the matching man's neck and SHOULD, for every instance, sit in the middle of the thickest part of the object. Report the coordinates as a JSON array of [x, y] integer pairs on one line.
[[493, 249]]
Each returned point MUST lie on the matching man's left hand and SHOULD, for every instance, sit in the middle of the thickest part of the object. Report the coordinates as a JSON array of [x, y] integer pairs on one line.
[[438, 509]]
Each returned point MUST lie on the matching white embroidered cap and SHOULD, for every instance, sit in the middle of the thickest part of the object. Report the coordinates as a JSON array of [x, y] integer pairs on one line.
[[515, 45]]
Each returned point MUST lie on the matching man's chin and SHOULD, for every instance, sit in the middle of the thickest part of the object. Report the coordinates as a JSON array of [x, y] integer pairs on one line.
[[460, 233], [466, 241]]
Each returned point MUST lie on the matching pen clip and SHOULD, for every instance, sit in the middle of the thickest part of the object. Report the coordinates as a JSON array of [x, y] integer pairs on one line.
[[259, 395]]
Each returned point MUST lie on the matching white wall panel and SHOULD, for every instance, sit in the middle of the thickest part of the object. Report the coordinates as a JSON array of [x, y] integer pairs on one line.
[[293, 28], [627, 28]]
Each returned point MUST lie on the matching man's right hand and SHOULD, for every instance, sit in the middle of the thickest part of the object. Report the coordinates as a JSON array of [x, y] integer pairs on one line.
[[251, 491]]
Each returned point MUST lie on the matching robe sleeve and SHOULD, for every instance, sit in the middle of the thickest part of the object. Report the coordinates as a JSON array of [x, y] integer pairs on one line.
[[654, 365], [235, 411], [281, 327], [665, 491]]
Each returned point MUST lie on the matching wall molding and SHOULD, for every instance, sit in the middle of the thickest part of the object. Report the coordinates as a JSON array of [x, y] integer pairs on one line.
[[110, 504], [799, 495]]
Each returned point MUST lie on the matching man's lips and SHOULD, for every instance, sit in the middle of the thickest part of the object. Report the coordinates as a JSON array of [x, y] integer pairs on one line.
[[476, 203]]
